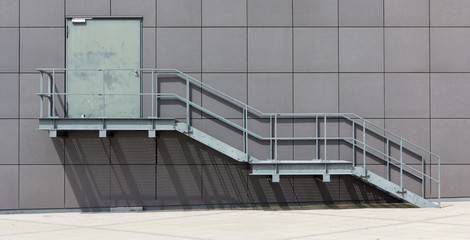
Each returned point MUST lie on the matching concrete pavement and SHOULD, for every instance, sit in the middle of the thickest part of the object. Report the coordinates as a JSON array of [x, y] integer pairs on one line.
[[452, 221]]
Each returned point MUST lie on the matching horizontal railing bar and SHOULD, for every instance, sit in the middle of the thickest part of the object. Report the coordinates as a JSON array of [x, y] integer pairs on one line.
[[396, 160]]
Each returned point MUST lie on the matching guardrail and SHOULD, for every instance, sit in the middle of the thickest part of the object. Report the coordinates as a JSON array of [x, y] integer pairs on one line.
[[358, 144]]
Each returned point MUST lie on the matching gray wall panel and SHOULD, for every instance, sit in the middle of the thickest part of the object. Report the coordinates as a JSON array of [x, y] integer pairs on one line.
[[450, 13], [224, 50], [9, 141], [315, 13], [87, 186], [132, 185], [269, 13], [87, 7], [270, 49], [49, 151], [41, 186], [406, 12], [449, 50], [9, 95], [315, 92], [149, 44], [449, 95], [8, 187], [224, 184], [453, 178], [41, 48], [179, 185], [9, 13], [407, 95], [224, 13], [144, 8], [271, 92], [361, 49], [179, 12], [42, 13], [179, 48], [84, 147], [407, 50], [9, 47], [316, 49], [132, 148], [353, 98], [449, 139], [360, 13]]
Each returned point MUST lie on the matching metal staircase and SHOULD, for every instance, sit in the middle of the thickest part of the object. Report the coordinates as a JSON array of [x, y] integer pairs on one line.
[[354, 147]]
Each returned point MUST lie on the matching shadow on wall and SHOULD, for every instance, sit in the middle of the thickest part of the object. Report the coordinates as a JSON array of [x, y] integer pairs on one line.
[[189, 173], [129, 169], [109, 172]]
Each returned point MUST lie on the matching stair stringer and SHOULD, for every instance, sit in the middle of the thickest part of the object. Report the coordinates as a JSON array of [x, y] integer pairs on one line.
[[213, 143], [391, 188]]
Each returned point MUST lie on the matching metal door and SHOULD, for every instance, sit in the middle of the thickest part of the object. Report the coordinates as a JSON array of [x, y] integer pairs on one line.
[[114, 47]]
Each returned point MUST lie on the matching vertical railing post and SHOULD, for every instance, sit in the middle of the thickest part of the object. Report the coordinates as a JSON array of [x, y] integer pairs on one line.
[[317, 135], [53, 93], [156, 95], [247, 156], [439, 180], [244, 130], [325, 142], [401, 164], [388, 159], [422, 176], [188, 96], [41, 91], [364, 143], [49, 103], [271, 137], [152, 96], [275, 137], [353, 135]]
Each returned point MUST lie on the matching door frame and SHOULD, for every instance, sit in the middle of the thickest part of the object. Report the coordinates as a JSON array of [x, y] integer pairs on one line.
[[67, 18]]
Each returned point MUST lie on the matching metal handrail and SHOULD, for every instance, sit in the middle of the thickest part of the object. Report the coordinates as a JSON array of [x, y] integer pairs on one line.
[[356, 120]]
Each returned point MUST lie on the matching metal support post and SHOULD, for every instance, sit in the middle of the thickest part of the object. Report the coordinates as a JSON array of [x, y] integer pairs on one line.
[[422, 177], [153, 94], [317, 144], [270, 137], [244, 131], [439, 180], [401, 164], [247, 156], [188, 96], [364, 149], [324, 137], [275, 137], [49, 105], [353, 135], [41, 101], [156, 95], [388, 159], [53, 93]]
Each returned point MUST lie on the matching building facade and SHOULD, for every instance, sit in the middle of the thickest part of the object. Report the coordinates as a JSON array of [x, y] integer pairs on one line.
[[402, 64]]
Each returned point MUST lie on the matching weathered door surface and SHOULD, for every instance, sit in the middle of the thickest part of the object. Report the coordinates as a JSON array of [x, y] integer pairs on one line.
[[104, 44]]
